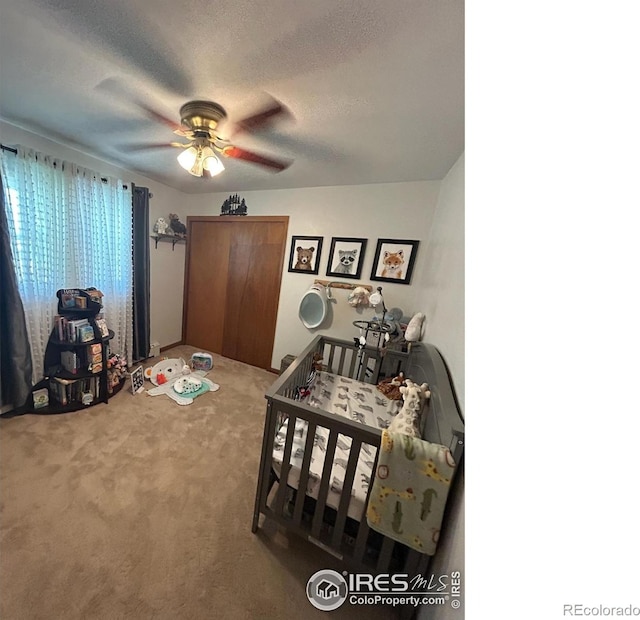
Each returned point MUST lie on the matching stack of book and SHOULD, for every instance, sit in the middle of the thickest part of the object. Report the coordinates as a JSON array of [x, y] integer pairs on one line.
[[78, 330], [69, 390]]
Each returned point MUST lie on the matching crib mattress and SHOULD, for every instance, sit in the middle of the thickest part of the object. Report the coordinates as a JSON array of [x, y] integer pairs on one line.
[[351, 399]]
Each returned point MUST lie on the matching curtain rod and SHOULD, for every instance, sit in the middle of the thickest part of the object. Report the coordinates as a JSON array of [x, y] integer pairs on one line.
[[15, 152]]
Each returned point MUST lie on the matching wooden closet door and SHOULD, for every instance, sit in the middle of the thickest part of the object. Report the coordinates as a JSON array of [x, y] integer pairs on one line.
[[232, 287], [205, 284]]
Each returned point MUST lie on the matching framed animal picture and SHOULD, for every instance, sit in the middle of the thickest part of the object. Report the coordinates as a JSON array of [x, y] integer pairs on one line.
[[304, 256], [346, 256], [394, 260]]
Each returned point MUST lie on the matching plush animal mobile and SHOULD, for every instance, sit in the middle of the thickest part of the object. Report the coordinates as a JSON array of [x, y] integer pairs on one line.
[[359, 297]]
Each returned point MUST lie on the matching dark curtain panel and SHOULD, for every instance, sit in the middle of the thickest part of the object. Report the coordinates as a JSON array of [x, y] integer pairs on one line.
[[141, 275], [15, 354]]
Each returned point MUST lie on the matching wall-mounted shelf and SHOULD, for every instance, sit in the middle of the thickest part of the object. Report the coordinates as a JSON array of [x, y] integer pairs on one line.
[[344, 285], [173, 238]]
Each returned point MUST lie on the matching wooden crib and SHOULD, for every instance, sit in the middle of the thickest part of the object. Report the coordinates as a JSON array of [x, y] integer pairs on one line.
[[335, 529]]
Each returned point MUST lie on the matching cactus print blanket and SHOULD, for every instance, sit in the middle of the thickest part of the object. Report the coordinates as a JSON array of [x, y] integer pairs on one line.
[[410, 490]]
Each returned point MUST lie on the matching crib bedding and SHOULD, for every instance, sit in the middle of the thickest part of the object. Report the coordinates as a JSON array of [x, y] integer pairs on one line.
[[354, 400]]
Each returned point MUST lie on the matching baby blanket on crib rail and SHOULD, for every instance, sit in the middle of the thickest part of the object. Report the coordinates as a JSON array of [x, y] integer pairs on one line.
[[410, 490]]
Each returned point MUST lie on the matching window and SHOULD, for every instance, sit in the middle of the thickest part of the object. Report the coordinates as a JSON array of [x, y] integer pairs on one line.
[[69, 228]]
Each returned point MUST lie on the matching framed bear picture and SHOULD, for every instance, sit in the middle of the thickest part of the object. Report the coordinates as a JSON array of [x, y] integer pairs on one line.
[[394, 260], [304, 256], [346, 257]]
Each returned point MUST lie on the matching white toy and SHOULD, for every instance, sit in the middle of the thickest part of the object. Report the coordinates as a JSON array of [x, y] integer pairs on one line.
[[166, 370], [201, 361], [413, 333], [359, 297], [187, 385], [162, 227], [174, 378], [406, 421]]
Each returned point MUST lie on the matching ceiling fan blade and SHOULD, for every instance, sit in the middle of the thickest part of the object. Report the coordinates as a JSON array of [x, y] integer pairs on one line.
[[147, 146], [260, 118], [155, 115], [237, 153], [123, 92]]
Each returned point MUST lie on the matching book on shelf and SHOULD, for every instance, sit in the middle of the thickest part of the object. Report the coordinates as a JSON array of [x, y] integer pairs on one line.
[[67, 391], [102, 326], [85, 333], [40, 398], [75, 327], [70, 361], [68, 299], [75, 299]]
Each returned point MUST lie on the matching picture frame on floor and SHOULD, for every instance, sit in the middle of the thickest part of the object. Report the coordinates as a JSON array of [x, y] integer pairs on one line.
[[137, 380]]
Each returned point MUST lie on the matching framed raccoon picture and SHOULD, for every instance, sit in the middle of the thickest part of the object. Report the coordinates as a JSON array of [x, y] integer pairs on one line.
[[345, 257], [394, 260], [304, 256]]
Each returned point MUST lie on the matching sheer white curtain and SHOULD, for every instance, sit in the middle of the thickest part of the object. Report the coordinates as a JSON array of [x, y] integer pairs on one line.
[[69, 229]]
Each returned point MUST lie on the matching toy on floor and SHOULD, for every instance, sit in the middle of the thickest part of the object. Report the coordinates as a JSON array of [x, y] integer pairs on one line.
[[175, 379], [166, 370], [201, 361], [137, 380], [116, 371]]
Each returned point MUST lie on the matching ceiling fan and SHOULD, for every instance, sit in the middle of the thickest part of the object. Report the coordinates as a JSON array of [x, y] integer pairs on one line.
[[199, 121]]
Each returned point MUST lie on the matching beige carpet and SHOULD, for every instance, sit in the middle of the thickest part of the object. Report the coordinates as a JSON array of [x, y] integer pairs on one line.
[[142, 509]]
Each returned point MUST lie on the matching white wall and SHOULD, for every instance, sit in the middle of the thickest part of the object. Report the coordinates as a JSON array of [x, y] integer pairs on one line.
[[391, 210], [441, 284], [442, 294]]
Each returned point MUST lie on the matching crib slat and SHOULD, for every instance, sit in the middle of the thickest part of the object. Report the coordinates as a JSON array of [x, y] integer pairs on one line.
[[304, 474], [324, 485], [332, 351], [411, 563], [361, 539], [286, 465], [385, 554], [343, 352], [363, 366], [352, 366], [345, 497], [363, 528]]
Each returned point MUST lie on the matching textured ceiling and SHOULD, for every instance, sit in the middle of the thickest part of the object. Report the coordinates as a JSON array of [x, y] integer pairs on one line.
[[375, 88]]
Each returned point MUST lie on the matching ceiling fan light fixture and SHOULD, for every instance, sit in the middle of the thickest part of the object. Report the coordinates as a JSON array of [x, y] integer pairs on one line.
[[196, 159], [188, 158], [213, 165]]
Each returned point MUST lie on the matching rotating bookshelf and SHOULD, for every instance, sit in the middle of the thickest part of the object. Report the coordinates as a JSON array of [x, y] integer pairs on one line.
[[76, 375]]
